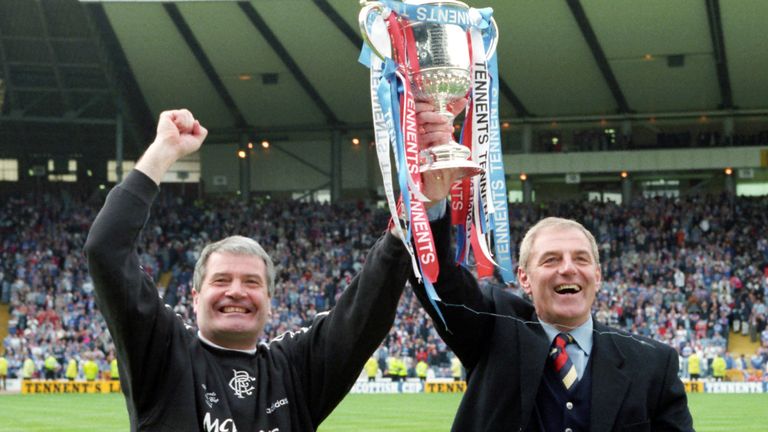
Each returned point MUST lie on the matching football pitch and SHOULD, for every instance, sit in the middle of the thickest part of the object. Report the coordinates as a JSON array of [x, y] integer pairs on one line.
[[359, 412]]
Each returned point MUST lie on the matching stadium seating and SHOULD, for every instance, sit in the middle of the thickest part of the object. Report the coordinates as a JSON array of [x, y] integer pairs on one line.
[[678, 270]]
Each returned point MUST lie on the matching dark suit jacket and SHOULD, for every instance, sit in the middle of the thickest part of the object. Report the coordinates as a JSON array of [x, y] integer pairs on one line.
[[635, 386]]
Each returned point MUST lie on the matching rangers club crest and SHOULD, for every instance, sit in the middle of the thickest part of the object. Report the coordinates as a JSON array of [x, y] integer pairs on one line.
[[242, 383]]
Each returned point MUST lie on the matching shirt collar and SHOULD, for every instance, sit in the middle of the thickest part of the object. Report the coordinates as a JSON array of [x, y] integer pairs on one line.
[[581, 334], [207, 342]]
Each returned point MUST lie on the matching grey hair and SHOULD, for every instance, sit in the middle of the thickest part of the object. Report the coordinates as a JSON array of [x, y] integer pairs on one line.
[[554, 222], [237, 245]]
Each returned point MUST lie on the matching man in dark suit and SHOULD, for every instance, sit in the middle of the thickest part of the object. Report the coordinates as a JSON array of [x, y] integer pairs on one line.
[[546, 365]]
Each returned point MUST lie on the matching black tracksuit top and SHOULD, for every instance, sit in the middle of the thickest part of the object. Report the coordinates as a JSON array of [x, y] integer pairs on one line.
[[173, 381]]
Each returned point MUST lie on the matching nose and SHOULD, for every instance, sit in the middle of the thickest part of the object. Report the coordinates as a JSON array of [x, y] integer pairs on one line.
[[567, 266], [235, 290]]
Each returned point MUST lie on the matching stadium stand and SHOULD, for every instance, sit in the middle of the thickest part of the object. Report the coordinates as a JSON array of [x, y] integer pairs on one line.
[[739, 344], [683, 271]]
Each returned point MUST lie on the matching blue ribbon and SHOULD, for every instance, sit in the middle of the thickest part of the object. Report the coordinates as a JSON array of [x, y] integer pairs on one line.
[[365, 56], [445, 14], [500, 217], [365, 51], [389, 98]]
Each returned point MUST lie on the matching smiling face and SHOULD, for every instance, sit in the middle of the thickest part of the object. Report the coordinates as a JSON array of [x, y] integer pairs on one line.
[[233, 302], [561, 274]]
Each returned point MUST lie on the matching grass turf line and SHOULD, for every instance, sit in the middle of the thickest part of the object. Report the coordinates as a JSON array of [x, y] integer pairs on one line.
[[369, 413]]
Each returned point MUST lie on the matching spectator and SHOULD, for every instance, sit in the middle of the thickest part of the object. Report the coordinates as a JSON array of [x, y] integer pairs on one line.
[[29, 370], [114, 372], [718, 368], [90, 370], [52, 367], [421, 370], [456, 368], [71, 373], [371, 369]]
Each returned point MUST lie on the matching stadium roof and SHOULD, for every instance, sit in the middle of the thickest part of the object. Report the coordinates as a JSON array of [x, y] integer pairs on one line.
[[277, 66]]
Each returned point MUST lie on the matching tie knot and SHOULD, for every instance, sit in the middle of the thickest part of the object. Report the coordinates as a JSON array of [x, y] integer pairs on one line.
[[563, 339], [561, 362]]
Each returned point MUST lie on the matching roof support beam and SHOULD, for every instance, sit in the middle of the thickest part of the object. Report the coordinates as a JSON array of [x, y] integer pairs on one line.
[[339, 22], [54, 64], [718, 47], [96, 98], [290, 63], [56, 70], [118, 71], [36, 89], [9, 91], [205, 63], [506, 90], [36, 100], [42, 38], [18, 118], [300, 159], [597, 52]]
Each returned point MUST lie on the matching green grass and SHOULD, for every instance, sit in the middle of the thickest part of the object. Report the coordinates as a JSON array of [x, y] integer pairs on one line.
[[63, 412], [421, 412], [370, 413]]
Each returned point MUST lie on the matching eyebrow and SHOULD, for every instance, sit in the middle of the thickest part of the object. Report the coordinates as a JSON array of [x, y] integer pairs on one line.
[[229, 274], [578, 252]]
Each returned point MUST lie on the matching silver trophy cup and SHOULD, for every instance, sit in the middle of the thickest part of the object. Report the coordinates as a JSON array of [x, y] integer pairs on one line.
[[441, 77]]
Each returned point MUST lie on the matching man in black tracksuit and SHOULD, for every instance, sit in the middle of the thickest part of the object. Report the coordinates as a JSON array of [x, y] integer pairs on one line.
[[216, 378]]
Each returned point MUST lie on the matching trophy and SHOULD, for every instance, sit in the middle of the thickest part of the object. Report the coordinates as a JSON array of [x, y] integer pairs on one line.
[[438, 72], [438, 51]]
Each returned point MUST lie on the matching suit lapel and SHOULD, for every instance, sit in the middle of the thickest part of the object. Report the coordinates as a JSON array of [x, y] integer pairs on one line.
[[533, 354], [609, 381]]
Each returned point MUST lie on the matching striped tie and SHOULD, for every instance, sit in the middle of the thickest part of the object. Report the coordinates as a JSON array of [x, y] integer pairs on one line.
[[561, 362]]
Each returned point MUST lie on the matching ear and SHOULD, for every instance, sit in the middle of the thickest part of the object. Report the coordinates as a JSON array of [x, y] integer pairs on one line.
[[195, 299], [598, 278], [525, 282]]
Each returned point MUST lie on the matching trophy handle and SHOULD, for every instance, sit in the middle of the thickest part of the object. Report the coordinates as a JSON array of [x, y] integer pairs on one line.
[[494, 40], [362, 20]]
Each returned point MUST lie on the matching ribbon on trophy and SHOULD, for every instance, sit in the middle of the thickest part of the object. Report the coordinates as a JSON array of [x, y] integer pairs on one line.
[[478, 204], [477, 223], [498, 183], [386, 86], [488, 196]]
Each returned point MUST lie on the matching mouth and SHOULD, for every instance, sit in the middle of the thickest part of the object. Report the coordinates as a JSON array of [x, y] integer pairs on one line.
[[233, 309], [568, 289]]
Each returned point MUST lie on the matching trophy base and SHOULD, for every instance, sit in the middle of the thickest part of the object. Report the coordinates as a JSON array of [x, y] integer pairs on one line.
[[452, 157]]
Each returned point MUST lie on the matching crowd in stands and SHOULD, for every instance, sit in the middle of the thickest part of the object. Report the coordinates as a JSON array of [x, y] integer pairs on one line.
[[681, 270]]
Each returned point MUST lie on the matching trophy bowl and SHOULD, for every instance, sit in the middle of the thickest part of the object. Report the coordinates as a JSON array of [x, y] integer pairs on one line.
[[440, 77]]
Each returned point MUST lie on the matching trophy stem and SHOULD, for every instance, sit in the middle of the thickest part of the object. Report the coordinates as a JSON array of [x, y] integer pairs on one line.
[[441, 107], [451, 155]]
